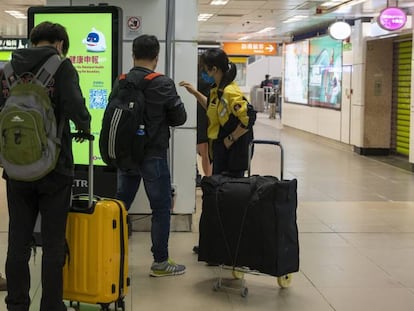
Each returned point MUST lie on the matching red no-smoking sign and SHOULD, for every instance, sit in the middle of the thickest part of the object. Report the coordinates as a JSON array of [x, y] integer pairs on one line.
[[134, 23]]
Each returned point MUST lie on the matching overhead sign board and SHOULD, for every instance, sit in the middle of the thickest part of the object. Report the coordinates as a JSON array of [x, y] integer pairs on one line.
[[392, 18], [250, 48], [12, 44]]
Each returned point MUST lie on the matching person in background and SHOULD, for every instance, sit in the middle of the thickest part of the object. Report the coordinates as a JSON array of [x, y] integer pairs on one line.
[[267, 85], [226, 110], [266, 82], [164, 108], [51, 195], [203, 86]]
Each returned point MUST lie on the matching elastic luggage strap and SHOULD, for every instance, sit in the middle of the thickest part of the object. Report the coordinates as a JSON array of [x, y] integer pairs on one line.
[[253, 198]]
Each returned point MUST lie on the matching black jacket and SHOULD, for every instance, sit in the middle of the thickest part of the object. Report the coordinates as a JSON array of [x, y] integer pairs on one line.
[[65, 93], [163, 109]]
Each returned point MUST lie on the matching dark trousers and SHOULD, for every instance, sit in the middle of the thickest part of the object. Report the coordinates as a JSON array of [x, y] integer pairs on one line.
[[51, 197], [222, 161], [157, 182]]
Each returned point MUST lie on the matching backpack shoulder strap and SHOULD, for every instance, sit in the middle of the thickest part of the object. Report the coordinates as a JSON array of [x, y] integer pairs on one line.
[[152, 76], [143, 82], [9, 75], [48, 69]]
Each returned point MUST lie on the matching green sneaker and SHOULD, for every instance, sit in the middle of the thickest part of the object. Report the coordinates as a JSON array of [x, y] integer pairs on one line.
[[166, 268]]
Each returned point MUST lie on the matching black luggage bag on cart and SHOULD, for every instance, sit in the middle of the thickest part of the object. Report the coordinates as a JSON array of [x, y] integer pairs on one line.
[[250, 222]]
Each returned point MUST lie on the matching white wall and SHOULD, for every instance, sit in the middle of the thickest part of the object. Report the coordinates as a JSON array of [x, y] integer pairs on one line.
[[256, 71], [319, 121]]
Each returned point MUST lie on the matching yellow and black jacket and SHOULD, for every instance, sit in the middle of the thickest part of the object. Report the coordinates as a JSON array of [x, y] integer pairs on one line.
[[224, 115], [221, 111]]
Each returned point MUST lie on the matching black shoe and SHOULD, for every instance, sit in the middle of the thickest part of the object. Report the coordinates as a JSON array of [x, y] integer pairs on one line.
[[198, 181], [195, 249], [3, 283]]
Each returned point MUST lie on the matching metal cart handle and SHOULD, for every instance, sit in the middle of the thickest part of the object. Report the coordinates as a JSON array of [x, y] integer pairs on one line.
[[90, 138], [266, 142]]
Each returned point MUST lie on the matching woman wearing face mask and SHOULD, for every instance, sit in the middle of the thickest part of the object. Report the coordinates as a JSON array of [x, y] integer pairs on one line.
[[226, 110]]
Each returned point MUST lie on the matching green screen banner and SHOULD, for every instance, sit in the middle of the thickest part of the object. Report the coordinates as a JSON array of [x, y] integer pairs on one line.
[[95, 57]]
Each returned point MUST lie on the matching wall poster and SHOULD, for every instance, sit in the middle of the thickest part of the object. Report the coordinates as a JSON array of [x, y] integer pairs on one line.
[[325, 72], [296, 72]]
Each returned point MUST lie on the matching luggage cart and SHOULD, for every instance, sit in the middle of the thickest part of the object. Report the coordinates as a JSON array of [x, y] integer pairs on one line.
[[238, 282]]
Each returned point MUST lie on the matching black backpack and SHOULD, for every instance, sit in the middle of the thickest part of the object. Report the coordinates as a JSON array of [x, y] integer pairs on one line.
[[123, 135]]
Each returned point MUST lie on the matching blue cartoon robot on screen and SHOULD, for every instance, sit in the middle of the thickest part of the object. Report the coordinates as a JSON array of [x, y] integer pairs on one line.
[[95, 41]]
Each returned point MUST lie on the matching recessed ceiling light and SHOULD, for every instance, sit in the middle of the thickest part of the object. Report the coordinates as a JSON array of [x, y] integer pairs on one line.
[[204, 17], [295, 18], [267, 29], [16, 14], [244, 38], [219, 2]]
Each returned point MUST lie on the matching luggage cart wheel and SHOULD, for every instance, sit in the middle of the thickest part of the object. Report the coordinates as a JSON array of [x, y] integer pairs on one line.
[[120, 304], [244, 292], [285, 280], [237, 274], [216, 286]]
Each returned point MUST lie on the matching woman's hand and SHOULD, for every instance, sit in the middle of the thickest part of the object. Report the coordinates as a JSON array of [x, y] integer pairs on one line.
[[228, 141], [199, 96], [190, 88]]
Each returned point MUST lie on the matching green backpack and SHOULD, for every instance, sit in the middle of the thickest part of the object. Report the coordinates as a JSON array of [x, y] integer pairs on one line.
[[29, 136]]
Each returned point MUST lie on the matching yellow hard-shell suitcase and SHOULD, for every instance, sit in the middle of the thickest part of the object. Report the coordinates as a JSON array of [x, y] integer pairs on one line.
[[96, 267]]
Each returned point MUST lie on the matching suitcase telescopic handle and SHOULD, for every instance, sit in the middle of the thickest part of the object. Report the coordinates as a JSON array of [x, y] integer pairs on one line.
[[90, 138], [266, 142]]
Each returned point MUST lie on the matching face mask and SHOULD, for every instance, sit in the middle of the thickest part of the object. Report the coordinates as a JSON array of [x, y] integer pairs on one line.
[[207, 78]]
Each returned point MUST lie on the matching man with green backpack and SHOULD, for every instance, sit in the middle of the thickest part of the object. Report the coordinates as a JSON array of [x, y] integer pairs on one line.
[[40, 95]]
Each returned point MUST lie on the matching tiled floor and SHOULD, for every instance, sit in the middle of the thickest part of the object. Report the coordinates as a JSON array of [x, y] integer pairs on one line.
[[356, 223]]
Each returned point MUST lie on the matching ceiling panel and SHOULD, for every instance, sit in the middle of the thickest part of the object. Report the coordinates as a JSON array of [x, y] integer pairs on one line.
[[237, 18], [235, 4]]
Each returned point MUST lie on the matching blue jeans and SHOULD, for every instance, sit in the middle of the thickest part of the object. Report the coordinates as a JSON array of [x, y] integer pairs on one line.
[[49, 196], [157, 182]]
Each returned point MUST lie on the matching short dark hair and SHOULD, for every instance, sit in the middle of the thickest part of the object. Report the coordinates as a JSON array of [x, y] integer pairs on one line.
[[267, 76], [146, 47], [51, 32]]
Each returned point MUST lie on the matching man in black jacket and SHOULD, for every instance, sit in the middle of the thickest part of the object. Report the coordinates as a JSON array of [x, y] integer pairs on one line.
[[163, 108], [50, 196], [266, 82]]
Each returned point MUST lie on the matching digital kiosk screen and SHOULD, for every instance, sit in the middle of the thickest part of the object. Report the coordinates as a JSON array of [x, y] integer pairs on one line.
[[5, 56], [94, 50]]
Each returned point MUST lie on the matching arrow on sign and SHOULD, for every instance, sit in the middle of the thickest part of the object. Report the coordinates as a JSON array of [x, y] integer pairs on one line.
[[270, 48]]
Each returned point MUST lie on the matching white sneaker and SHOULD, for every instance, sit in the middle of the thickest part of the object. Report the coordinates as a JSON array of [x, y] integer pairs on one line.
[[70, 309]]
